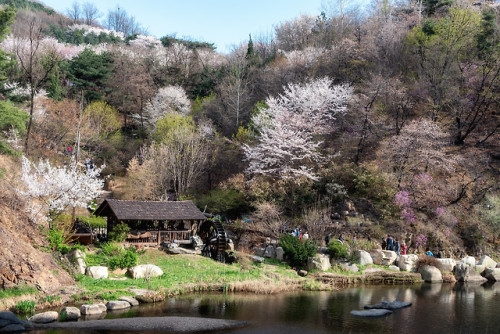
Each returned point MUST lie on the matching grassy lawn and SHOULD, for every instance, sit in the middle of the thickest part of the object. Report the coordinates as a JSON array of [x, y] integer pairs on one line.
[[189, 273], [17, 291]]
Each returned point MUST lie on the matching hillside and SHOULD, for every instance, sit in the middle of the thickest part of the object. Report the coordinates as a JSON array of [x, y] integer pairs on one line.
[[354, 125]]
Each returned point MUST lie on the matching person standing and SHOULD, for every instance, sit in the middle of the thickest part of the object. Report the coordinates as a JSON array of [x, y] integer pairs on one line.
[[396, 246], [403, 248], [384, 243], [390, 243]]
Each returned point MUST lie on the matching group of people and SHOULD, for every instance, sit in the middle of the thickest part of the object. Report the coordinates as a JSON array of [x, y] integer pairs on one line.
[[297, 232], [391, 243], [89, 164]]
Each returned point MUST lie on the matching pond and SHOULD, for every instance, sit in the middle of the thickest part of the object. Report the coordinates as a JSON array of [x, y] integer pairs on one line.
[[437, 308]]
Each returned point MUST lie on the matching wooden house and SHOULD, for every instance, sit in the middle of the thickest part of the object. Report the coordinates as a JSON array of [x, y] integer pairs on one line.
[[152, 223]]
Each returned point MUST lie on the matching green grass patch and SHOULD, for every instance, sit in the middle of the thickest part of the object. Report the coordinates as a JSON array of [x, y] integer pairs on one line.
[[25, 307], [20, 290]]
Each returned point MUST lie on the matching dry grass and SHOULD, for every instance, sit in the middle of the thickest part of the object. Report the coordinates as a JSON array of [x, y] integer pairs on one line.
[[425, 260]]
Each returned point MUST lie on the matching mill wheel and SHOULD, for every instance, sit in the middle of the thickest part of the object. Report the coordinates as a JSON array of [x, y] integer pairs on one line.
[[214, 240]]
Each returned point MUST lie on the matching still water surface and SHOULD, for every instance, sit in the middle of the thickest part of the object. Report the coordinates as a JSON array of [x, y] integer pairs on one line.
[[437, 308]]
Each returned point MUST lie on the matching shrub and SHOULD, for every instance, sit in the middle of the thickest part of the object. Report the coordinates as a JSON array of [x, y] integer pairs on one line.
[[119, 233], [425, 260], [337, 250], [25, 307], [126, 259], [296, 250], [113, 256]]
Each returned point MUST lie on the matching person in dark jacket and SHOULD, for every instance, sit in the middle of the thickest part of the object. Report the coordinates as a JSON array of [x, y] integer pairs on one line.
[[390, 243], [384, 243], [396, 246]]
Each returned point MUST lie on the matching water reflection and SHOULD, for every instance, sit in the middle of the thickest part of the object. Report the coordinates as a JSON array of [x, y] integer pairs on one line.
[[437, 308]]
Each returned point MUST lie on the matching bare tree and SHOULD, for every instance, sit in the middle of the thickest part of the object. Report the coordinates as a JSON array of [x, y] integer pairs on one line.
[[90, 13], [36, 63], [74, 12], [119, 20]]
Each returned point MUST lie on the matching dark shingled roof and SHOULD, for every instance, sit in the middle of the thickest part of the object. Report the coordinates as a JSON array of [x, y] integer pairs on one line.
[[137, 210]]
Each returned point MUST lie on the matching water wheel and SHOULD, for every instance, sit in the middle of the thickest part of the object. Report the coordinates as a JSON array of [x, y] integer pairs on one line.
[[214, 240]]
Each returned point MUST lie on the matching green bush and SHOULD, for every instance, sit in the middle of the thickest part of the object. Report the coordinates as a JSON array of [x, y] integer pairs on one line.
[[297, 250], [113, 256], [337, 250], [119, 233], [25, 307], [230, 203], [126, 259]]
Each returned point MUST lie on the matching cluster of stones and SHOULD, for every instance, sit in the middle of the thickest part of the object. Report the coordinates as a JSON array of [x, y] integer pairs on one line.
[[270, 251], [381, 309], [10, 323], [466, 270]]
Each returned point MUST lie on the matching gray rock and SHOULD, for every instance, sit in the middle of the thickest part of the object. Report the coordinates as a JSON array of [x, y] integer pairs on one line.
[[395, 305], [363, 257], [469, 260], [94, 309], [77, 258], [12, 328], [498, 265], [270, 252], [389, 257], [373, 313], [45, 317], [256, 258], [350, 267], [318, 262], [487, 262], [97, 272], [102, 307], [259, 251], [431, 274], [145, 271], [408, 262], [394, 268], [113, 305], [9, 322], [302, 273], [492, 274], [447, 265], [478, 268], [132, 301], [147, 296], [280, 253], [70, 313], [197, 242], [230, 245], [465, 273]]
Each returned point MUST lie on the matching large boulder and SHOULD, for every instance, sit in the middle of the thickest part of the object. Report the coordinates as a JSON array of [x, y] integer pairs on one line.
[[148, 296], [431, 274], [478, 268], [447, 265], [465, 273], [469, 260], [97, 272], [45, 317], [10, 323], [487, 262], [318, 262], [280, 253], [132, 301], [113, 305], [270, 252], [145, 271], [197, 242], [384, 257], [408, 262], [94, 309], [363, 257], [389, 257], [70, 313], [77, 258], [492, 274]]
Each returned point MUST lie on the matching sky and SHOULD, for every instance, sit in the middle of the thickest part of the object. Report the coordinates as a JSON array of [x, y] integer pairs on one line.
[[226, 23]]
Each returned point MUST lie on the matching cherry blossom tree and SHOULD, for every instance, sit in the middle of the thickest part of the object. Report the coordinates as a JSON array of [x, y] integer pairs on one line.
[[290, 127], [51, 190], [170, 99]]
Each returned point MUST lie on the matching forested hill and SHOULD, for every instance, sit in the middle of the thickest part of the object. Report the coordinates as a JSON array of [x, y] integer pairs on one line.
[[382, 122]]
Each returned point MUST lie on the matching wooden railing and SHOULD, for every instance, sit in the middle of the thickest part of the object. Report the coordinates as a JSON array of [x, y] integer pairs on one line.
[[165, 236]]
